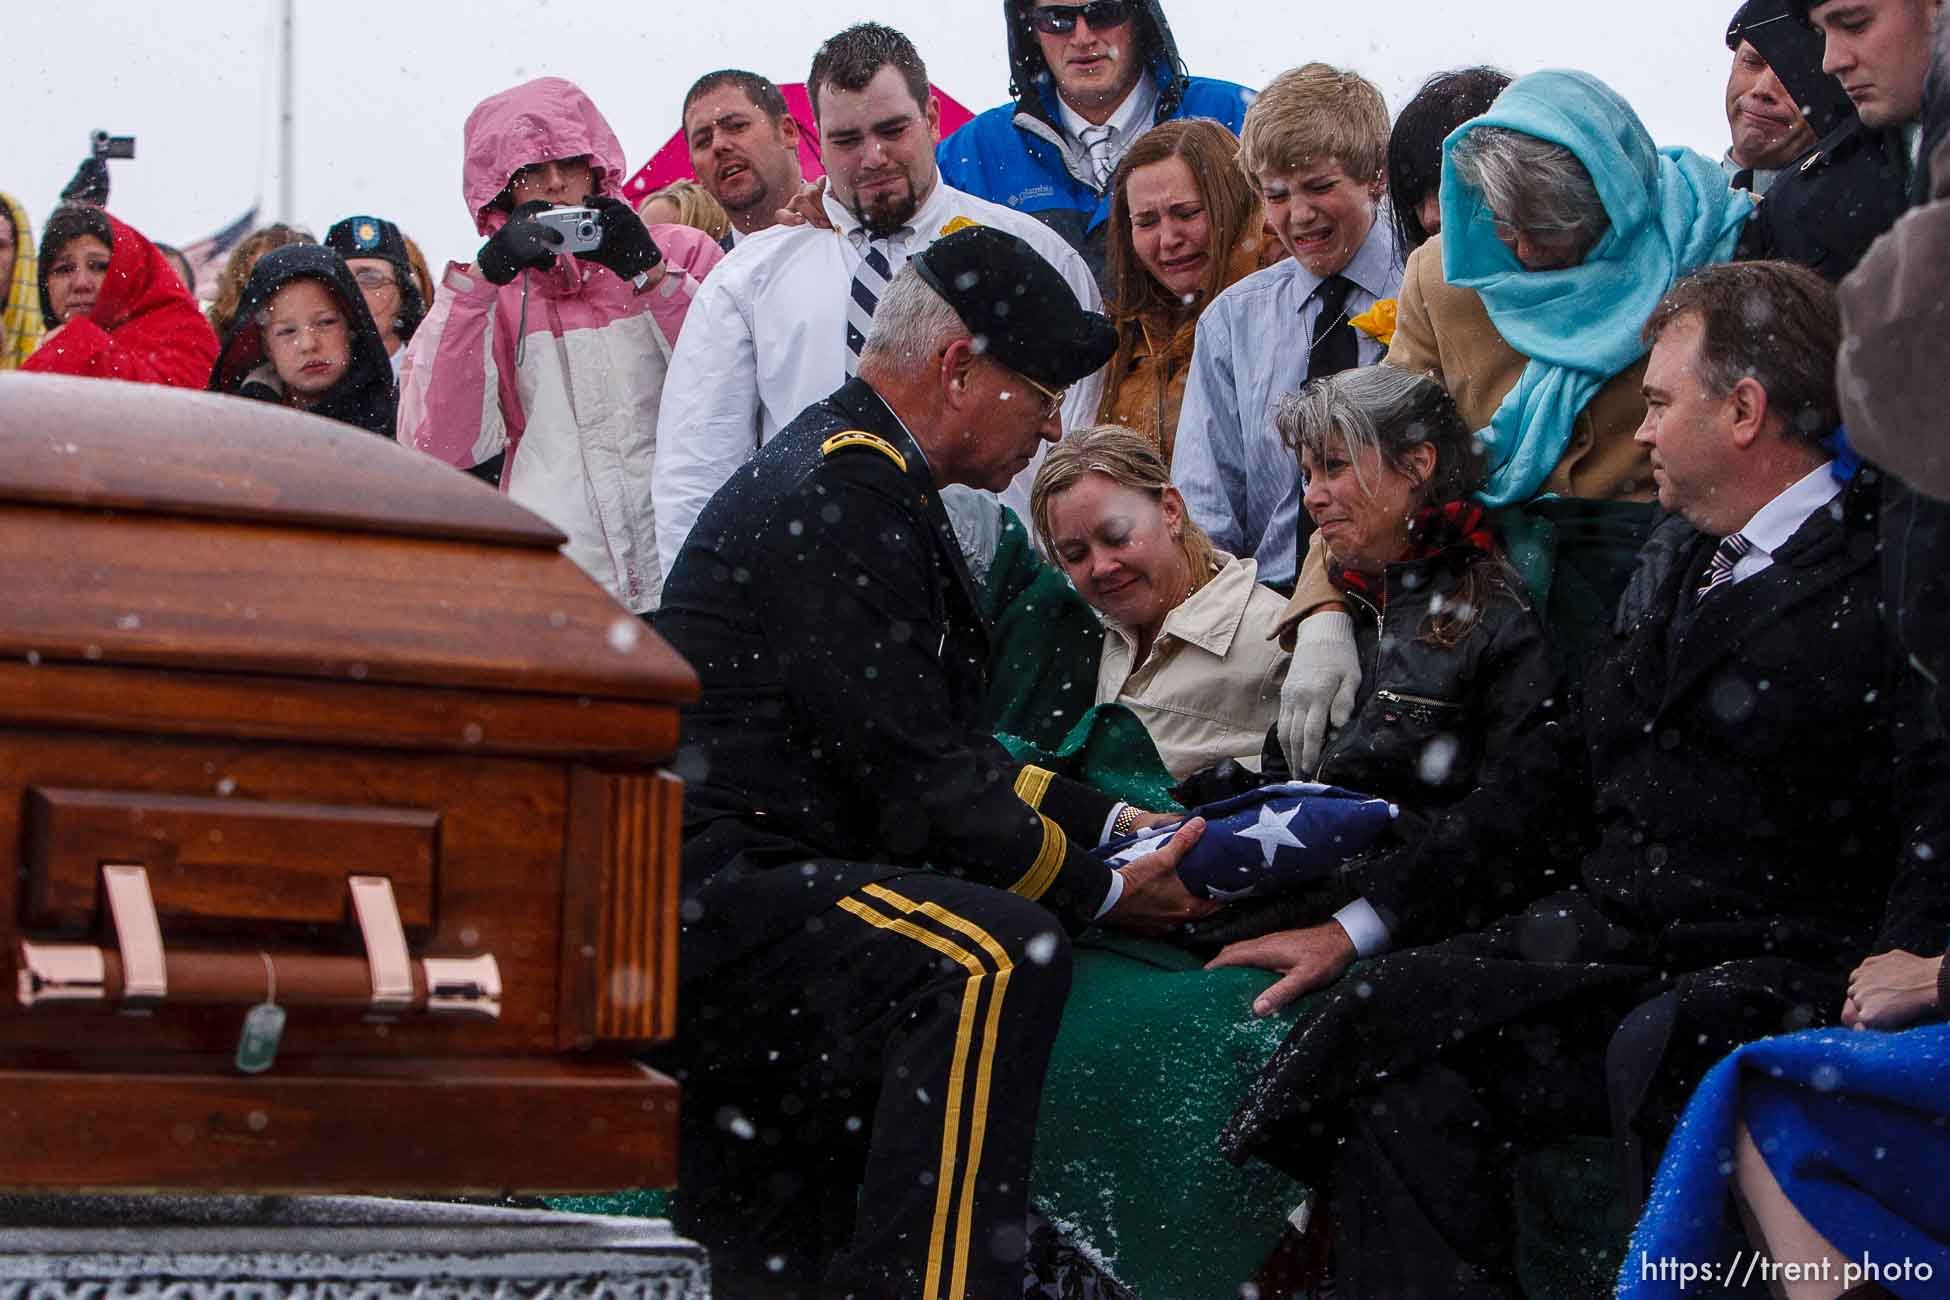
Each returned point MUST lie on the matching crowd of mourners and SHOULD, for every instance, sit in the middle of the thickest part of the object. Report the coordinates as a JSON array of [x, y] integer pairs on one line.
[[1582, 498]]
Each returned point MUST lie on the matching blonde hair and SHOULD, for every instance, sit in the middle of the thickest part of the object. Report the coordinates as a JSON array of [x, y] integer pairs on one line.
[[418, 261], [1125, 457], [696, 207], [1316, 112], [237, 271]]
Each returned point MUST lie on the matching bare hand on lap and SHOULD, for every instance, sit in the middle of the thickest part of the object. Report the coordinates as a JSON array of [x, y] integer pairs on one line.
[[1305, 960], [1891, 990], [1154, 899]]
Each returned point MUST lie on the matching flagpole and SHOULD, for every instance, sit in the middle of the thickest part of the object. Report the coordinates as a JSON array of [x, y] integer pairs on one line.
[[287, 119]]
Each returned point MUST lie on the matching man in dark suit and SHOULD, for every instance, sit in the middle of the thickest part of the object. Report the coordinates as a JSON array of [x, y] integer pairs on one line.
[[877, 899], [1749, 800]]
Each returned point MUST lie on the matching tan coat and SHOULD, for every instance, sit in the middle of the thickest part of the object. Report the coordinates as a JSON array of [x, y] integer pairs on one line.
[[1210, 688], [1445, 332], [1149, 393]]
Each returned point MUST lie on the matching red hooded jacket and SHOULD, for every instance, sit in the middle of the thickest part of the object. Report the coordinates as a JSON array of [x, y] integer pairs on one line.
[[144, 326]]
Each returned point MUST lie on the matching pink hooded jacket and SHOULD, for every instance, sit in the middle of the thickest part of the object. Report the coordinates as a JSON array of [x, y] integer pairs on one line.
[[577, 413]]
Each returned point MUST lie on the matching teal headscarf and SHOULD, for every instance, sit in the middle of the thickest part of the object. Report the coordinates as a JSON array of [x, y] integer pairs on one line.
[[1671, 211]]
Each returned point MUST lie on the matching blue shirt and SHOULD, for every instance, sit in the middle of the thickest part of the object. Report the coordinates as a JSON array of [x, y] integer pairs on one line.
[[1240, 482]]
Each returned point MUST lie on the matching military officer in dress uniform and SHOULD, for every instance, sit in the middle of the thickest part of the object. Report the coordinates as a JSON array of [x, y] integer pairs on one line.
[[877, 898]]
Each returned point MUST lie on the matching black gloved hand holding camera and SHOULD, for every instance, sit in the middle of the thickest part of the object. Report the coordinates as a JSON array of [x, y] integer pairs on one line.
[[627, 248], [522, 243], [89, 185]]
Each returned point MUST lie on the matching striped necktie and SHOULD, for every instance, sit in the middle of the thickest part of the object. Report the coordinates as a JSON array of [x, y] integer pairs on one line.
[[1719, 570], [1096, 146], [869, 282]]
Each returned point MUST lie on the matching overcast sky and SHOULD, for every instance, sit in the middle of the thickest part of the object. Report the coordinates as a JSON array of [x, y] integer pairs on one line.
[[383, 86]]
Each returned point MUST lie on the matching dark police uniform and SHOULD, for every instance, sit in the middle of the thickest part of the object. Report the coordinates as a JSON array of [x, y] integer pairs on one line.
[[1827, 206], [876, 897]]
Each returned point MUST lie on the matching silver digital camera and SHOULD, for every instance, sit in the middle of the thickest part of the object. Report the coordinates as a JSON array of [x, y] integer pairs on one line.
[[581, 228]]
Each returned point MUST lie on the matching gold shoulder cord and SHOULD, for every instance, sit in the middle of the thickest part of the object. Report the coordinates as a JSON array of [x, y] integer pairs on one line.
[[861, 438]]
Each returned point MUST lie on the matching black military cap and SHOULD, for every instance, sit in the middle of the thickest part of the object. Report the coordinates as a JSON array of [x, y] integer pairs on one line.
[[1779, 33], [1017, 304]]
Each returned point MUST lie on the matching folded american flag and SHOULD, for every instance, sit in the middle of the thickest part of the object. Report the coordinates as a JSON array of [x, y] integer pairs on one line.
[[1268, 840]]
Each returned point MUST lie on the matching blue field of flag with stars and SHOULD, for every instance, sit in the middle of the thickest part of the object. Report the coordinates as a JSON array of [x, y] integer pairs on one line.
[[1267, 841]]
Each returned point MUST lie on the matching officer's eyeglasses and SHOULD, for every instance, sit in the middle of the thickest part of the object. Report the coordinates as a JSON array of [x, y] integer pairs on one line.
[[1052, 397], [1061, 20]]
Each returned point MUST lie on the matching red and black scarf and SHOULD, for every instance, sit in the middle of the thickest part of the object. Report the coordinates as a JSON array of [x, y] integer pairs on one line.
[[1457, 532]]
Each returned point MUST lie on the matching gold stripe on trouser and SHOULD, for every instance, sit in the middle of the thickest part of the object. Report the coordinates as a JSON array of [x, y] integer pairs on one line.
[[1042, 872], [985, 1068], [1032, 783], [938, 1240]]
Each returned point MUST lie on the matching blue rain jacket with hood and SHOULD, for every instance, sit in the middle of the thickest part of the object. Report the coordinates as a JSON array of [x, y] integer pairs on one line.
[[1017, 155]]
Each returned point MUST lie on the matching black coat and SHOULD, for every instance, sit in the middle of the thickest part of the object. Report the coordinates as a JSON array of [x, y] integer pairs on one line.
[[1429, 722], [824, 602], [1767, 788], [1827, 206], [364, 395], [1426, 715], [1824, 210]]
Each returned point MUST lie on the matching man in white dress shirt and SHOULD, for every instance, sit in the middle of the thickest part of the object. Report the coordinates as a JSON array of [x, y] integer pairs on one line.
[[782, 328]]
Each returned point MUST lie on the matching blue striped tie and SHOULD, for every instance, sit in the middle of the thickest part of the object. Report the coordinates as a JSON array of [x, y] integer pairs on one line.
[[869, 282], [1719, 570]]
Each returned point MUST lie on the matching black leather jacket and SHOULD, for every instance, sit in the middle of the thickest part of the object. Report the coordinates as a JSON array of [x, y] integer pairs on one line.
[[1428, 722], [1426, 715]]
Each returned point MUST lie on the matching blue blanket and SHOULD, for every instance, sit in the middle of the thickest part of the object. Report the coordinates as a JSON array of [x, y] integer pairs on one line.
[[1854, 1126]]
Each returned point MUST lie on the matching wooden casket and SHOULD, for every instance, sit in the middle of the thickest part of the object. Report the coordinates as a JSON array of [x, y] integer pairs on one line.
[[294, 717]]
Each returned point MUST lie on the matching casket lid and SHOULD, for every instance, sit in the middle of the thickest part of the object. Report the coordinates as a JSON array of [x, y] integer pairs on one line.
[[151, 526], [139, 447]]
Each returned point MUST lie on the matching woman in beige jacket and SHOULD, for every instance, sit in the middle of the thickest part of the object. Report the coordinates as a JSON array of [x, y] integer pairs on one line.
[[1188, 641]]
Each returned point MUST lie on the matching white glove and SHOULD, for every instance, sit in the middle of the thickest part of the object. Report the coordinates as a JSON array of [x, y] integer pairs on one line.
[[1319, 690]]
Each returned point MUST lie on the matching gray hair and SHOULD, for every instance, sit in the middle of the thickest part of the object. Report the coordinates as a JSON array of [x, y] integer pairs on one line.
[[910, 325], [1389, 412], [1529, 182]]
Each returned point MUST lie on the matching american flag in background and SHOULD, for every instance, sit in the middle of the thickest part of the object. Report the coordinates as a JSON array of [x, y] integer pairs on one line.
[[207, 255], [1267, 841]]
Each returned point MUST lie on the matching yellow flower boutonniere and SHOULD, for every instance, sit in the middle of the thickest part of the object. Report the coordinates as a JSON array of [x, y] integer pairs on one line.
[[1377, 322], [959, 223]]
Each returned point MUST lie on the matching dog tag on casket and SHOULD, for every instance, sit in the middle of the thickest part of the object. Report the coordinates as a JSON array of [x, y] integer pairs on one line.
[[257, 1046]]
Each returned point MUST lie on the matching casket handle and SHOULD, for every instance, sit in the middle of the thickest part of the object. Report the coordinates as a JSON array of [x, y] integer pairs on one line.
[[138, 936], [141, 972]]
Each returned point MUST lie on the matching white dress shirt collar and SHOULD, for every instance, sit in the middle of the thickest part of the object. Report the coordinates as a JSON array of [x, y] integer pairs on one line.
[[1782, 517], [917, 233], [1127, 122], [1374, 267], [923, 223]]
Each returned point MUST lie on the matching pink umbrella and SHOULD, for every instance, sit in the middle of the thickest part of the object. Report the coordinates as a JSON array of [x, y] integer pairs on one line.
[[673, 161]]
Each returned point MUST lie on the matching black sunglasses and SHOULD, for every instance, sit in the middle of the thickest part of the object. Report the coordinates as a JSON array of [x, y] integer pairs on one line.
[[1061, 20]]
